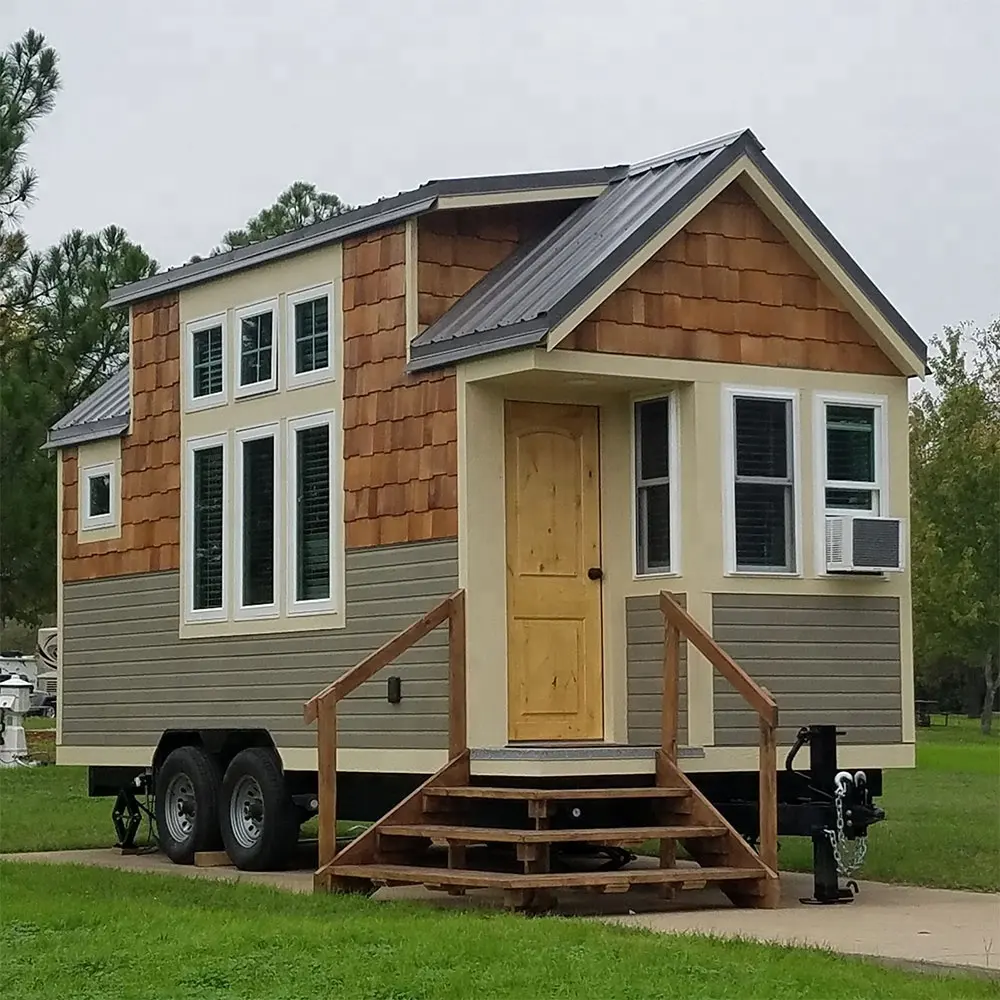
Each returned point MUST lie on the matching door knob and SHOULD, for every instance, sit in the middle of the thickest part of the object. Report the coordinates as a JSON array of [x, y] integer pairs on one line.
[[595, 573]]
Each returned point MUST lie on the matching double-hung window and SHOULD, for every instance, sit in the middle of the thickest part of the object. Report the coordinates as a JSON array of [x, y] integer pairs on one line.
[[312, 523], [655, 486], [761, 489], [206, 371], [206, 506], [257, 478], [256, 329], [852, 454], [309, 339]]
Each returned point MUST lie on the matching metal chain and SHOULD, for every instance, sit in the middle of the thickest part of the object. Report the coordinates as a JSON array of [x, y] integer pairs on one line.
[[853, 856]]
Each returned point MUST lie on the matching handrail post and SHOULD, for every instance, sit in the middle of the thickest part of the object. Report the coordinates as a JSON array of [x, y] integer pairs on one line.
[[457, 734], [327, 788], [671, 689], [768, 767]]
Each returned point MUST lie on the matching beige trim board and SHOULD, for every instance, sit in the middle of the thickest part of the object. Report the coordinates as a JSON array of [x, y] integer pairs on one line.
[[886, 755], [389, 761], [411, 284], [105, 756], [679, 221], [559, 768], [519, 197]]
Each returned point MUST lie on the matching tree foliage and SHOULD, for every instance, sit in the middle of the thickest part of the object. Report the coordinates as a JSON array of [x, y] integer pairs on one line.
[[297, 206], [955, 506]]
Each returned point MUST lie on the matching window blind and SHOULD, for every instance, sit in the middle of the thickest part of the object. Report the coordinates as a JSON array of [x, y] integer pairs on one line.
[[312, 341], [312, 531], [208, 517], [258, 522]]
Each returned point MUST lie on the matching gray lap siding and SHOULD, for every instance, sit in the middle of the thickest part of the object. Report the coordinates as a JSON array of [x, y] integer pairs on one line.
[[825, 659], [127, 676]]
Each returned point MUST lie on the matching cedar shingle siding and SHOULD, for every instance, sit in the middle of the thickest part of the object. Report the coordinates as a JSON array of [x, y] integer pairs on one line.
[[151, 460], [730, 288]]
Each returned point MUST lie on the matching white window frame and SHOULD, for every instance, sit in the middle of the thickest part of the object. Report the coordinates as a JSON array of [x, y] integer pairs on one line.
[[880, 404], [295, 379], [94, 522], [192, 614], [245, 312], [193, 402], [335, 602], [243, 611], [673, 478], [729, 395]]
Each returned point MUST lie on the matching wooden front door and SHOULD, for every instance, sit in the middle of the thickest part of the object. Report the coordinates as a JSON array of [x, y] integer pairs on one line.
[[554, 658]]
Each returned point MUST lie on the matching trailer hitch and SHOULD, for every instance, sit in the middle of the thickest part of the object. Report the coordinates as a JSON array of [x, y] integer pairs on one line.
[[843, 812]]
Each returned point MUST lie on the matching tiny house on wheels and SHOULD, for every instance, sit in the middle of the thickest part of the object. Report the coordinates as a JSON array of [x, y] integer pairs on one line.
[[528, 517]]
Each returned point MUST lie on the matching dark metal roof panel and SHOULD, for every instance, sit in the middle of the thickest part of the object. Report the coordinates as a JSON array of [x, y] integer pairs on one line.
[[541, 283], [104, 413], [358, 220]]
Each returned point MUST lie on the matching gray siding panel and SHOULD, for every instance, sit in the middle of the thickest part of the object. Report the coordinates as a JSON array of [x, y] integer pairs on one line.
[[824, 659], [644, 669], [127, 675]]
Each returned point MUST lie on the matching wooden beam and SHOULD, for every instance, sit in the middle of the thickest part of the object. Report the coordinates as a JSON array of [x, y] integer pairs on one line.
[[327, 781], [212, 859], [768, 767], [757, 698], [382, 656], [671, 688], [457, 725]]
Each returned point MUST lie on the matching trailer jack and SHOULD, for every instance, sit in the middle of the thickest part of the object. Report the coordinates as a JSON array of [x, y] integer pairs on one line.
[[842, 811], [128, 812]]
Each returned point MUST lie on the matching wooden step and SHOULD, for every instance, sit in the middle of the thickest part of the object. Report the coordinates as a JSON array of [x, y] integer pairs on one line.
[[470, 879], [553, 794], [493, 835]]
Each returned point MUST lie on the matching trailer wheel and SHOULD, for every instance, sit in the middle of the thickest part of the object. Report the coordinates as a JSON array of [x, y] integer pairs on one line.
[[259, 821], [187, 804]]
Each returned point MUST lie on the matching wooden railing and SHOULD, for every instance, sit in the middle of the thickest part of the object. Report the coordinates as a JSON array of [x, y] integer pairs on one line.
[[677, 622], [322, 708]]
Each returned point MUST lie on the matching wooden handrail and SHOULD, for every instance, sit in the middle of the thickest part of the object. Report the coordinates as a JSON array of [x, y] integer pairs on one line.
[[678, 622], [322, 707], [754, 695]]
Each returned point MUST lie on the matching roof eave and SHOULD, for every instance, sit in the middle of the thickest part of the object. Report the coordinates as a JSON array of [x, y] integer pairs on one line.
[[531, 333], [96, 430]]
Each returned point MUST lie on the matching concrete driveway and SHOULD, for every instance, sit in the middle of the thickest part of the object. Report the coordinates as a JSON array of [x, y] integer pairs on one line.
[[904, 924]]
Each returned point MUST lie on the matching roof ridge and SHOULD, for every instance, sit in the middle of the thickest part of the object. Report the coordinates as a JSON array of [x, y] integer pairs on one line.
[[698, 149]]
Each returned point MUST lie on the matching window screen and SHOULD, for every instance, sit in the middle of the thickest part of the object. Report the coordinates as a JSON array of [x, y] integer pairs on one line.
[[256, 334], [258, 522], [208, 516], [762, 440], [850, 458], [99, 495], [312, 335], [206, 350], [312, 515], [652, 452]]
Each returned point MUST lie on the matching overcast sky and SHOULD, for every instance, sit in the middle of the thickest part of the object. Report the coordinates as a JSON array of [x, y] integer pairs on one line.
[[178, 120]]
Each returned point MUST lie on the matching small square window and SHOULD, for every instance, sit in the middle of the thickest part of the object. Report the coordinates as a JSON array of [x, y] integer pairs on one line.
[[97, 497], [309, 337], [255, 349]]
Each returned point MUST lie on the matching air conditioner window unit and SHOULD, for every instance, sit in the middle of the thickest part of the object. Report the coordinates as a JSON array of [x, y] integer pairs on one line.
[[857, 543]]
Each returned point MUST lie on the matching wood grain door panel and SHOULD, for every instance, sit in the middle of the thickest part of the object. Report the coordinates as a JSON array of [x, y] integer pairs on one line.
[[554, 656]]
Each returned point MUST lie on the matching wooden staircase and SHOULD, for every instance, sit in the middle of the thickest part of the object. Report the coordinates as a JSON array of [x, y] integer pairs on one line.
[[454, 834]]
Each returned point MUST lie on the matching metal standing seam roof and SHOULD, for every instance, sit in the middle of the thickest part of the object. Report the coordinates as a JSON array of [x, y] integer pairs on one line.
[[358, 220], [103, 414], [519, 302]]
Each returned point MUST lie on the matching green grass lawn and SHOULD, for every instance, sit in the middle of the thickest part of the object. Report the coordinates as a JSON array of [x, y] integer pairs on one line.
[[88, 934]]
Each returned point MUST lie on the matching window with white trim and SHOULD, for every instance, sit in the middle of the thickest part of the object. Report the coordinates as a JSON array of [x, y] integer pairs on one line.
[[852, 457], [98, 496], [309, 337], [312, 523], [207, 513], [206, 371], [256, 327], [257, 491], [761, 488], [655, 490]]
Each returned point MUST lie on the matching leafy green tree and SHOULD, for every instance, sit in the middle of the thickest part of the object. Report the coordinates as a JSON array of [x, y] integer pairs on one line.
[[955, 507], [297, 206]]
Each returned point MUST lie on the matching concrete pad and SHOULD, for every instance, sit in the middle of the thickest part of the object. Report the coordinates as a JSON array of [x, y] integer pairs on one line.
[[902, 924]]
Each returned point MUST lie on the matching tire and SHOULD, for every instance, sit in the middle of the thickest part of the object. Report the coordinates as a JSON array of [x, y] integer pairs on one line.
[[259, 821], [49, 711], [187, 804]]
